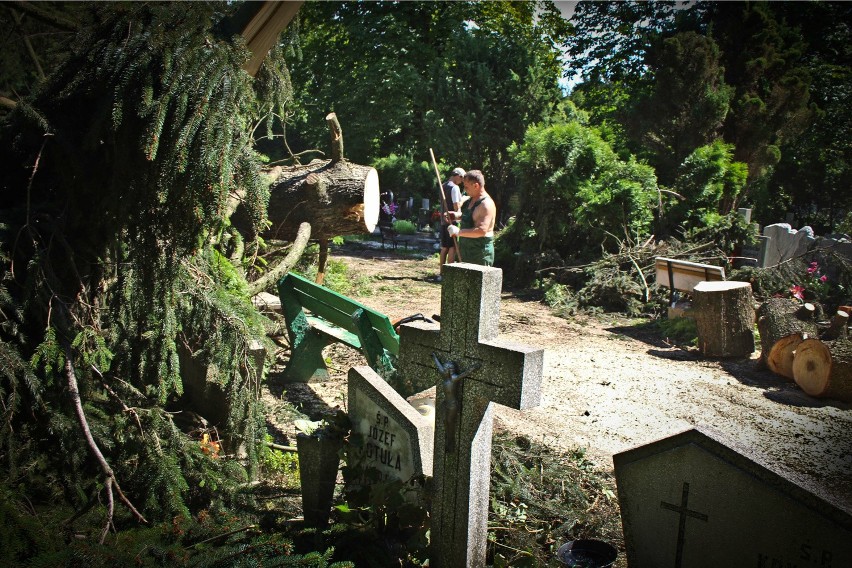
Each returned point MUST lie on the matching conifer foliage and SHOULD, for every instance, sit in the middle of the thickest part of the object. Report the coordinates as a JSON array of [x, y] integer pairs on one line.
[[116, 176]]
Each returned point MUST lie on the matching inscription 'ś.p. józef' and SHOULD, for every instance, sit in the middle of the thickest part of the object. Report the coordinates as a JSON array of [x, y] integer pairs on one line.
[[380, 441]]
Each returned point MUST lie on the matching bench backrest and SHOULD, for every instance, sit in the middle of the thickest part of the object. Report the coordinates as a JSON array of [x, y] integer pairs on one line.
[[684, 275], [335, 309]]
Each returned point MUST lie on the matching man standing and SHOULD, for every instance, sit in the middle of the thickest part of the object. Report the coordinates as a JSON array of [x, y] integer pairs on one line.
[[476, 236], [452, 195]]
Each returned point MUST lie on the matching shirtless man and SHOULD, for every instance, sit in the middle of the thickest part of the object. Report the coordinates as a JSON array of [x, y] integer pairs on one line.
[[478, 215]]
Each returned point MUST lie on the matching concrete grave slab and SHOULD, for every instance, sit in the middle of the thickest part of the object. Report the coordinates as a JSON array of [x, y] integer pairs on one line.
[[398, 438], [696, 500]]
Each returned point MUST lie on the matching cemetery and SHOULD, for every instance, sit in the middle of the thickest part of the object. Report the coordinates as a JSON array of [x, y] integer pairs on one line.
[[229, 336]]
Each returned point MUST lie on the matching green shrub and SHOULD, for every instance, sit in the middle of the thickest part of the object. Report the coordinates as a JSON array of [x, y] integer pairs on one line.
[[404, 227]]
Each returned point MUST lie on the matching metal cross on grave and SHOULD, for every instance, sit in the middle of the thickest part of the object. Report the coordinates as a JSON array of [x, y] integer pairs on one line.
[[493, 371]]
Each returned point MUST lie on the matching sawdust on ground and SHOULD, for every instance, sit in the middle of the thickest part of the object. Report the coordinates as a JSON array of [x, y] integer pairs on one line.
[[611, 384]]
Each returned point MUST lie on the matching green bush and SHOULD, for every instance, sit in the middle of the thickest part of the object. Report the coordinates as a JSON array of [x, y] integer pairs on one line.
[[404, 227], [575, 193]]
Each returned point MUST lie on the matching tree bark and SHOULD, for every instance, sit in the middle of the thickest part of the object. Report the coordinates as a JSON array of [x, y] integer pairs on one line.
[[824, 368], [279, 270], [339, 198], [783, 324], [837, 326], [724, 318]]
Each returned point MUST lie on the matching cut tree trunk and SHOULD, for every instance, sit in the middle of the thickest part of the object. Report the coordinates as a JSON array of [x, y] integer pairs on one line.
[[783, 324], [824, 368], [339, 198], [724, 318]]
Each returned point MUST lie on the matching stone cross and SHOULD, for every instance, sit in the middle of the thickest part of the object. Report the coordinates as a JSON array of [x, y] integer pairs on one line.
[[494, 371]]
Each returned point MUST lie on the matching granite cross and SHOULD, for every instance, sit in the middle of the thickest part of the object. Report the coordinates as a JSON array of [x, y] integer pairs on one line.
[[494, 371]]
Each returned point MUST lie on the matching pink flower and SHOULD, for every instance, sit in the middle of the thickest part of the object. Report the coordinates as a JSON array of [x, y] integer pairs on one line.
[[823, 278], [813, 268], [798, 292]]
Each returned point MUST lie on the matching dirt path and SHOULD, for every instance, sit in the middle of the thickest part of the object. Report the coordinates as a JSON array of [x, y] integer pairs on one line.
[[610, 384]]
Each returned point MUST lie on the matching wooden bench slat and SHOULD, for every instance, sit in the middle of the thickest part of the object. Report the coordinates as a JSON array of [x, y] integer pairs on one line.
[[685, 274], [334, 331]]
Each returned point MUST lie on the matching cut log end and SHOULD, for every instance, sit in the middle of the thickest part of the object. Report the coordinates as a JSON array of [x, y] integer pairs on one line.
[[780, 357], [812, 367], [372, 200]]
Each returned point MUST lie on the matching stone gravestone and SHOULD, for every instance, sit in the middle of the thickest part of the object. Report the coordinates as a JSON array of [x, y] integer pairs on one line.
[[786, 243], [693, 501], [479, 369], [398, 439]]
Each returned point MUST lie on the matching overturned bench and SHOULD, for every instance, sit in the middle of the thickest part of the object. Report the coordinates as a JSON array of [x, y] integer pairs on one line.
[[317, 317], [684, 276]]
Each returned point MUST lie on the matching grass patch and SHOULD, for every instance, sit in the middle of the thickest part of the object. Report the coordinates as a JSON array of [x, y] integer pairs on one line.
[[680, 330]]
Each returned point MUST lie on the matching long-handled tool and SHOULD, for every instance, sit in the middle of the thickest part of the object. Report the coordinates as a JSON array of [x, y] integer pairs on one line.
[[444, 201]]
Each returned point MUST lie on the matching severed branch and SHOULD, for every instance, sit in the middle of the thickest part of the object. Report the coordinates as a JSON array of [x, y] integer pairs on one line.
[[336, 137], [46, 16], [297, 248], [74, 394]]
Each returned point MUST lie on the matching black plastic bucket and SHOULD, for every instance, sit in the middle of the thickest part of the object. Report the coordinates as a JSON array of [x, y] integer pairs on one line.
[[587, 554]]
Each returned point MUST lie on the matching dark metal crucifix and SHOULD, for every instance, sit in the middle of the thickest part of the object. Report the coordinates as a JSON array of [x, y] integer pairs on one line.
[[476, 370]]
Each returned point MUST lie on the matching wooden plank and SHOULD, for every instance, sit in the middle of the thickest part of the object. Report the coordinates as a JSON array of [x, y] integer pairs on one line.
[[334, 331], [322, 309], [686, 275]]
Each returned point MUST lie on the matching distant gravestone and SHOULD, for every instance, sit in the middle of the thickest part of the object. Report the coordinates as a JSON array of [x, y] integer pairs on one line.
[[397, 438], [786, 243], [476, 370], [694, 501]]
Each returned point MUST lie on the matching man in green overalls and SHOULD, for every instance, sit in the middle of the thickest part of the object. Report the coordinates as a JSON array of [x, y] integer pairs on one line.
[[478, 215]]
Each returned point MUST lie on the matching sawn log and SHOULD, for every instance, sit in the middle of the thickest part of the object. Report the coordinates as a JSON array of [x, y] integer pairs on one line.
[[783, 324], [824, 368]]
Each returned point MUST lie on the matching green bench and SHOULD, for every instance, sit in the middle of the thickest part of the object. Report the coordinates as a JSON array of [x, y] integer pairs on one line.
[[317, 317]]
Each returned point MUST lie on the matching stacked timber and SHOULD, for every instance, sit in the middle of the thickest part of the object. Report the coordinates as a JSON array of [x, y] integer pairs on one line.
[[818, 357], [783, 325]]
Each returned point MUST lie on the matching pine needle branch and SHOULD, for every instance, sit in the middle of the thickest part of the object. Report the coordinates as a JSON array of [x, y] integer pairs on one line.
[[74, 393]]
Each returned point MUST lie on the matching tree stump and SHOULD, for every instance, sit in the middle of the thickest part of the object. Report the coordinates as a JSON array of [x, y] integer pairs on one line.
[[824, 368], [724, 318], [783, 324]]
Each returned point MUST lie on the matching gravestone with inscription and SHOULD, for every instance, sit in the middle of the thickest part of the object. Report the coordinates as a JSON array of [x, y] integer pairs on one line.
[[397, 438], [472, 369], [695, 500]]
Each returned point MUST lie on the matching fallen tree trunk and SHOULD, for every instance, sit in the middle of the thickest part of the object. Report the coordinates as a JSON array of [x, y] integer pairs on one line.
[[336, 197], [783, 324], [824, 368], [339, 198], [724, 318]]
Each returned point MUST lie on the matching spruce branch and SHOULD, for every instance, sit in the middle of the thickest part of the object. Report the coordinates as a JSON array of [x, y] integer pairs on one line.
[[74, 394]]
